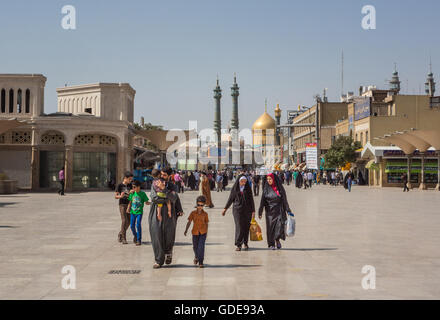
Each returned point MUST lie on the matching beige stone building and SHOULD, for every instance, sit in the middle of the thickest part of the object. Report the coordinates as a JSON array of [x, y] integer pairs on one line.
[[378, 119], [90, 135], [329, 113]]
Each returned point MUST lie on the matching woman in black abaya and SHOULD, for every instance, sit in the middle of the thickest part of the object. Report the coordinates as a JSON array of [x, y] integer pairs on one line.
[[243, 211], [299, 180], [191, 180], [274, 201]]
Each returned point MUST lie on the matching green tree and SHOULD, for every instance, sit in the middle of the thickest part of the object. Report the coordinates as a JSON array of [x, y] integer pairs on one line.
[[147, 126], [343, 150]]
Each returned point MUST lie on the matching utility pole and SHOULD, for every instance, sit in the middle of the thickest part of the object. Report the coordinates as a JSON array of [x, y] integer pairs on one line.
[[317, 135]]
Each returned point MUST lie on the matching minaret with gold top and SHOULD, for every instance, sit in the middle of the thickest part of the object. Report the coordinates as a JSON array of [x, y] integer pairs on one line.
[[278, 121]]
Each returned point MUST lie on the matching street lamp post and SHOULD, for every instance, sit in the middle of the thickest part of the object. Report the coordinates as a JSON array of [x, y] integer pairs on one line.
[[317, 134]]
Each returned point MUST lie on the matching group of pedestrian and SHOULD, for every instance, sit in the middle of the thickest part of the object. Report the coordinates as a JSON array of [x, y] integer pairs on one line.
[[166, 208], [273, 201]]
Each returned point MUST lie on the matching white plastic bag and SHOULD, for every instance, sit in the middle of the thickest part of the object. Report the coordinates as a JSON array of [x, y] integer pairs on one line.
[[290, 225]]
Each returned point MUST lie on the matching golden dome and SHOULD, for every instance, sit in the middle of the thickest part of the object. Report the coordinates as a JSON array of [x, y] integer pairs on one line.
[[265, 121]]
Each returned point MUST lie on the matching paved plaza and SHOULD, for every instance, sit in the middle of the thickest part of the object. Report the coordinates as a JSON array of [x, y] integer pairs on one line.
[[337, 234]]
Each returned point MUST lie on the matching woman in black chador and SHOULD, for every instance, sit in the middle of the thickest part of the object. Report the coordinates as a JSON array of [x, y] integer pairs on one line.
[[243, 210], [191, 181], [299, 180], [274, 201]]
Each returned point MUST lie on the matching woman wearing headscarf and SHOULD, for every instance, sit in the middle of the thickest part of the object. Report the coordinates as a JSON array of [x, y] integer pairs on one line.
[[243, 210], [299, 180], [274, 201], [205, 189], [191, 180]]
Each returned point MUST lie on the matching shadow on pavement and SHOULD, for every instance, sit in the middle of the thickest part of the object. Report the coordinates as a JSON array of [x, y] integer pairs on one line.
[[4, 204], [8, 227], [295, 249], [219, 266], [182, 244]]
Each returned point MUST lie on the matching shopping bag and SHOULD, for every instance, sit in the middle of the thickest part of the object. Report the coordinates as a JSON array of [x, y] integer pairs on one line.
[[255, 231], [290, 225]]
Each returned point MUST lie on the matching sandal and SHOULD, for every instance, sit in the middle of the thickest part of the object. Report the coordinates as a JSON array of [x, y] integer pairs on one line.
[[196, 261], [238, 249], [246, 247], [156, 266], [168, 259]]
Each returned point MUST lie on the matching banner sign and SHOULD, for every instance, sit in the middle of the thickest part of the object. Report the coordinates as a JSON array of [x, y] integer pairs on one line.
[[311, 156], [362, 108]]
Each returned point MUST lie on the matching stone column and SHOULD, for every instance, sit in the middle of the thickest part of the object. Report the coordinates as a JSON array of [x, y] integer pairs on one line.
[[422, 173], [35, 169], [15, 100], [409, 171], [68, 168], [35, 98], [381, 173], [120, 156]]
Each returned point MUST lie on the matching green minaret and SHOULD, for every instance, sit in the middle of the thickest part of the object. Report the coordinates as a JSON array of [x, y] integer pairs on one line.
[[234, 94], [217, 113]]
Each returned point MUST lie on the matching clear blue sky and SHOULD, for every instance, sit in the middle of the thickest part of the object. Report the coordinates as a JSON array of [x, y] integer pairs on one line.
[[171, 51]]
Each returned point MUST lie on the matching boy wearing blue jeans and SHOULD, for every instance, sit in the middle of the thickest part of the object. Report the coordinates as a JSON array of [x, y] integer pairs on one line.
[[200, 230], [136, 208]]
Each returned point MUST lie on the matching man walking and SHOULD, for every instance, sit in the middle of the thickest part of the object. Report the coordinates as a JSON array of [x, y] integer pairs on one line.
[[163, 233], [349, 181], [197, 177], [310, 178], [405, 182], [256, 184], [333, 178], [122, 193], [61, 179], [219, 181]]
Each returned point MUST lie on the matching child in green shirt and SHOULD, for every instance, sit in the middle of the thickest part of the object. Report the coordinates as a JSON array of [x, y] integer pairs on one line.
[[136, 208]]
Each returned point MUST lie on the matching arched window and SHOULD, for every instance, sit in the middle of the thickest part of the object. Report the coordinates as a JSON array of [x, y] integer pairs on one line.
[[11, 100], [19, 101], [3, 101], [28, 101]]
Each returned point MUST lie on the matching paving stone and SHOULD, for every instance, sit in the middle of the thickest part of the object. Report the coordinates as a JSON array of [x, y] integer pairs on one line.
[[337, 234]]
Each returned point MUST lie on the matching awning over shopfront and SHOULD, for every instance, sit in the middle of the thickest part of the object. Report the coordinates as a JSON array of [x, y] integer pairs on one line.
[[6, 125], [145, 154], [412, 139], [370, 152]]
